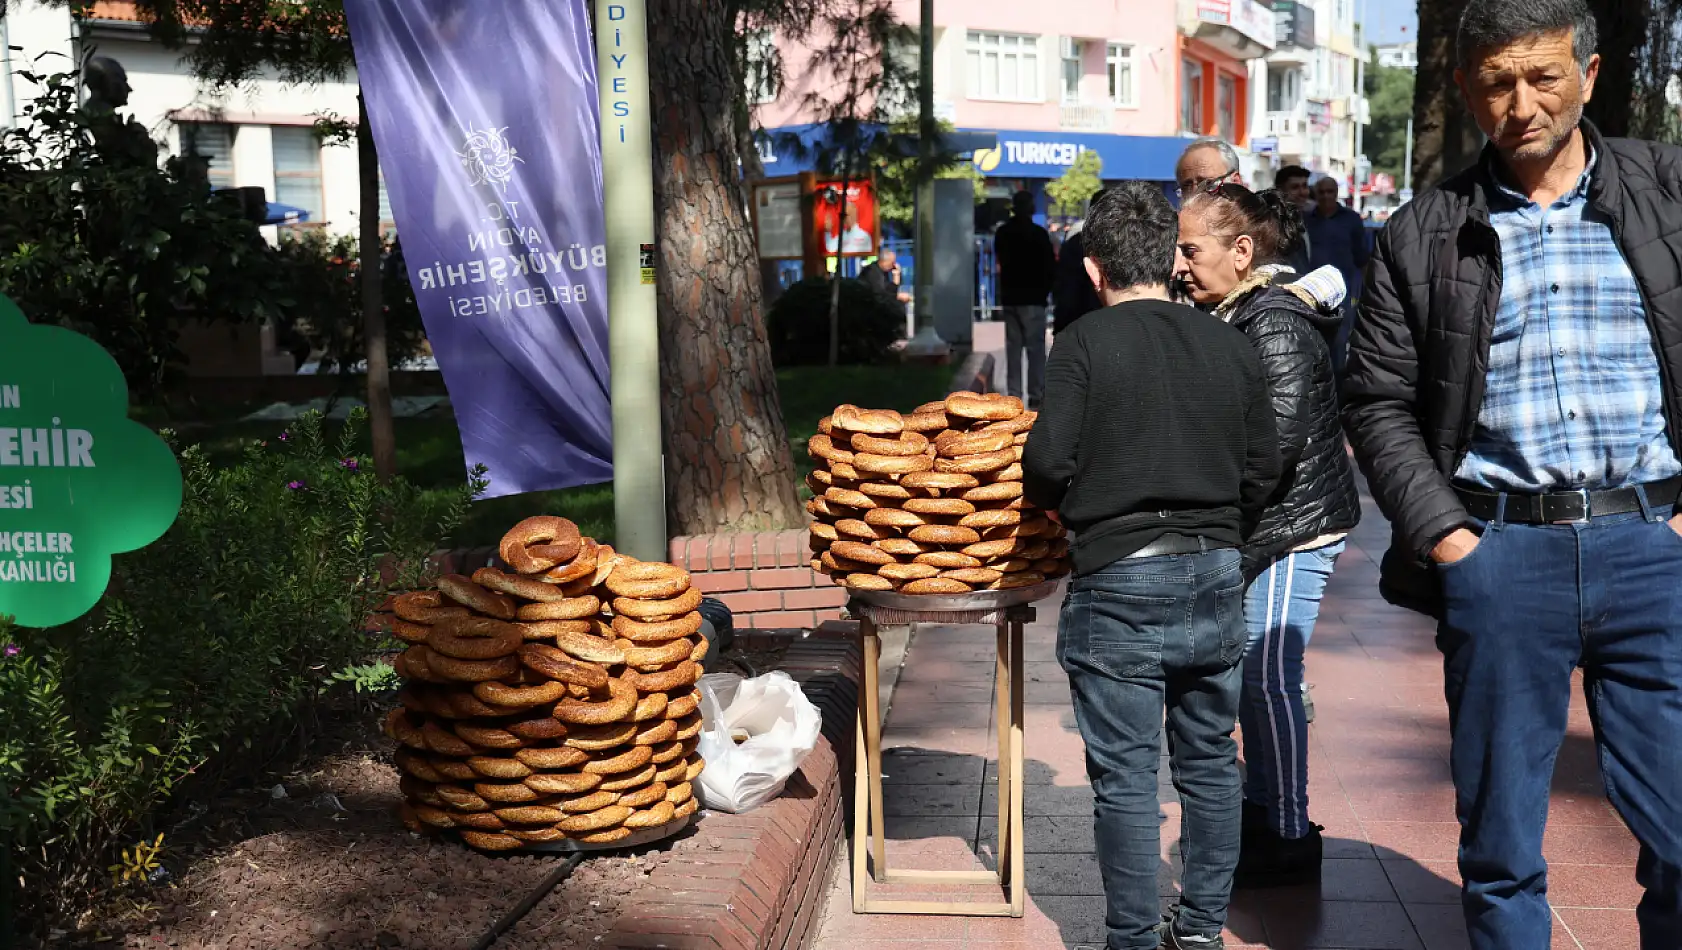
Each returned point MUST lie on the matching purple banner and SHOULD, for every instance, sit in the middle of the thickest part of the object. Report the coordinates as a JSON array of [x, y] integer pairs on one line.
[[486, 119]]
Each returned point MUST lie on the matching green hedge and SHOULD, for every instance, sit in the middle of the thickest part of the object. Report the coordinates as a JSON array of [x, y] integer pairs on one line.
[[222, 635]]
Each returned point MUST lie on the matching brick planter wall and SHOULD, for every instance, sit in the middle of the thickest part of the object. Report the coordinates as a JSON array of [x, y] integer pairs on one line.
[[765, 579], [756, 881]]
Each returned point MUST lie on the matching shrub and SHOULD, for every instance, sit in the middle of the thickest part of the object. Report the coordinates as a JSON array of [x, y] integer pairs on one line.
[[219, 637], [325, 296], [99, 238], [799, 324]]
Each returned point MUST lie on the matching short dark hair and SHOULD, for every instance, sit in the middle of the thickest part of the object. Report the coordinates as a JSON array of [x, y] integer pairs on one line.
[[1289, 173], [1487, 24], [1023, 203], [1130, 232]]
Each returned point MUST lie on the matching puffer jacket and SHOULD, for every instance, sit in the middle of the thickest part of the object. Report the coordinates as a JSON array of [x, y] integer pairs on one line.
[[1419, 352], [1317, 494]]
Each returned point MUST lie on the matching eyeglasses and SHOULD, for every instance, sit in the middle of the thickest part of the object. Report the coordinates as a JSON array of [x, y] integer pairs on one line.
[[1204, 185]]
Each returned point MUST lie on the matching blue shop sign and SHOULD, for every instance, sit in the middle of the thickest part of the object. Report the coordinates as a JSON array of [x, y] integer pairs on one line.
[[1049, 154]]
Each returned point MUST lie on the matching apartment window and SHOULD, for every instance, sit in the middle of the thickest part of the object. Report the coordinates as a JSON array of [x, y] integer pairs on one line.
[[1004, 66], [297, 169], [1122, 72], [1191, 97], [1226, 107], [1072, 50], [214, 143], [760, 66]]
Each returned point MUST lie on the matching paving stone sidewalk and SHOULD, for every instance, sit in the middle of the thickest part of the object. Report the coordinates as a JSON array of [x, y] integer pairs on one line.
[[1379, 782]]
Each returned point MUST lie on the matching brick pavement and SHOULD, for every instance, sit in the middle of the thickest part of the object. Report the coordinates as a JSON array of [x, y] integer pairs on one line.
[[1378, 778]]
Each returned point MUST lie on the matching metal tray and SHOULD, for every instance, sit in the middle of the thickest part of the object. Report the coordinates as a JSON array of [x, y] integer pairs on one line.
[[953, 603], [567, 846]]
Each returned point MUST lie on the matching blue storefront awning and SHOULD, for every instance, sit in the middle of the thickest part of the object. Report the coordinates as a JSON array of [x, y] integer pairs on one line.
[[1049, 154], [793, 149]]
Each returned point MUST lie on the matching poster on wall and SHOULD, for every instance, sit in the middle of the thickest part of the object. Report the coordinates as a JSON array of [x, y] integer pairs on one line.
[[776, 220], [486, 118], [849, 229]]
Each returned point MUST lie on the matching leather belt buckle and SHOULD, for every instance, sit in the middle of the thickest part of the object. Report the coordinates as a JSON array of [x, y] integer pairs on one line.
[[1581, 499]]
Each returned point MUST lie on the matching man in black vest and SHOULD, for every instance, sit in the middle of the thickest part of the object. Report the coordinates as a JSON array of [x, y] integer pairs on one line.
[[1514, 394]]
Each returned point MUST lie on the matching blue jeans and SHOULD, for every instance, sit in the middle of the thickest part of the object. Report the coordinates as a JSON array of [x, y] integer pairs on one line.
[[1279, 611], [1136, 638], [1528, 606]]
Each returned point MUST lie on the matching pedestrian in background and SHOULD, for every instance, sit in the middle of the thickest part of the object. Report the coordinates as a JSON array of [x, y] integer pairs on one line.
[[882, 277], [1073, 296], [1337, 238], [1514, 395], [1292, 182], [1027, 270], [1206, 162], [1157, 448], [1233, 242]]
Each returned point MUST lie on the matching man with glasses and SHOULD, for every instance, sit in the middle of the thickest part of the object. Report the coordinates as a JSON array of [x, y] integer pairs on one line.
[[1206, 163]]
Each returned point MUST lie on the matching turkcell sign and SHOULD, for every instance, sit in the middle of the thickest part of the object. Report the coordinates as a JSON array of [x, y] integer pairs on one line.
[[1049, 154]]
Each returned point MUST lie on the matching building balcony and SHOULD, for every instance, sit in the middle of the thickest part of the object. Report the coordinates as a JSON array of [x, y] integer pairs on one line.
[[1243, 29], [1084, 117], [1291, 130]]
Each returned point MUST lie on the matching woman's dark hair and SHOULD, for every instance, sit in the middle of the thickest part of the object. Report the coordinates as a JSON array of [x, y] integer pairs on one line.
[[1271, 220], [1130, 232]]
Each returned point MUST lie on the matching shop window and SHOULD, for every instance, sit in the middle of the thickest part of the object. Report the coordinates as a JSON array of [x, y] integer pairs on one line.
[[1191, 97], [1226, 108]]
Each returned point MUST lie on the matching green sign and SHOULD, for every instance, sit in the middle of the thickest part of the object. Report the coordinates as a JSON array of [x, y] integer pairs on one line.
[[79, 480]]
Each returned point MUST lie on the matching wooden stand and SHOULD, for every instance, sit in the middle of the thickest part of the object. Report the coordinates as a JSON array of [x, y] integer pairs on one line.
[[869, 846]]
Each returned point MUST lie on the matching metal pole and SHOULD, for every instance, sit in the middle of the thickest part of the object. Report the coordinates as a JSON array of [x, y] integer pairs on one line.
[[639, 495], [1362, 50], [927, 343], [1407, 161]]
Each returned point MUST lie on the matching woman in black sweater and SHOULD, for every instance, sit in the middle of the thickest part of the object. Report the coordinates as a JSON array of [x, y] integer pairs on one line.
[[1233, 243]]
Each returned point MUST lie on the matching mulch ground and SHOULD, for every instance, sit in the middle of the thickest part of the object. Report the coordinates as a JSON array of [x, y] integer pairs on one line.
[[328, 866]]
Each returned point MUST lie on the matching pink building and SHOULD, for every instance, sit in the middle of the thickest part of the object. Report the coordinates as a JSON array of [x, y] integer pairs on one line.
[[1130, 79]]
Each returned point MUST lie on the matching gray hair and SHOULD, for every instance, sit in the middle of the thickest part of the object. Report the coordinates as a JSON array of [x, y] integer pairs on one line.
[[1228, 154], [1487, 24]]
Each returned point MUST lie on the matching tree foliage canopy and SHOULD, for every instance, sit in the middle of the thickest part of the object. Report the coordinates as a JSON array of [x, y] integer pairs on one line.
[[1389, 92]]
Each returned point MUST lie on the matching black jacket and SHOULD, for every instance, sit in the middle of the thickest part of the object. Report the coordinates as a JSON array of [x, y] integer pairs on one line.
[[881, 282], [1316, 493], [1420, 349], [1073, 296], [1027, 263], [1155, 422]]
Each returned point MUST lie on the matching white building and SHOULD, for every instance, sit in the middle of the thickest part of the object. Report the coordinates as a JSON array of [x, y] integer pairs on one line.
[[1306, 90], [259, 135], [1400, 56]]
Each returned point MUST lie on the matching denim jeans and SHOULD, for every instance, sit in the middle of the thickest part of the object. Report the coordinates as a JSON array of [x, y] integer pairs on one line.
[[1137, 638], [1522, 611], [1279, 612]]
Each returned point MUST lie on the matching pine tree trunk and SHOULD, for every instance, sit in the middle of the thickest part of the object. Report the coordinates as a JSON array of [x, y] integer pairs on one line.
[[1623, 38], [381, 432], [1445, 139], [728, 463]]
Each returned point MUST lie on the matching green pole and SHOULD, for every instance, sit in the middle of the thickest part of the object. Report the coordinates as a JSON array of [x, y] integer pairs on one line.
[[639, 483]]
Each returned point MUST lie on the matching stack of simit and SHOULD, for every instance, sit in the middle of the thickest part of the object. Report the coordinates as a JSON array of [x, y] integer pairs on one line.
[[930, 503], [554, 700]]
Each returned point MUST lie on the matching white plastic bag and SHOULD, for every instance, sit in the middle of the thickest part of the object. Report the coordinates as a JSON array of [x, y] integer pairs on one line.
[[780, 726]]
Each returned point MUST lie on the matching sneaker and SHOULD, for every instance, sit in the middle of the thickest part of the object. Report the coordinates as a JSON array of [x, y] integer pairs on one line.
[[1308, 702], [1268, 860], [1179, 941]]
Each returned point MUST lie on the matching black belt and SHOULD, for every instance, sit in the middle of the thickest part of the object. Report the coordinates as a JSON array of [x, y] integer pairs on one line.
[[1171, 544], [1570, 507]]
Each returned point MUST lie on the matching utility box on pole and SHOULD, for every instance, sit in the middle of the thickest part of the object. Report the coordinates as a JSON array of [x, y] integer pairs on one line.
[[954, 263]]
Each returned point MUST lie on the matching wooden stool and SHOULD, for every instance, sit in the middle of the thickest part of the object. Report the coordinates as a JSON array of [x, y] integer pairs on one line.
[[869, 846]]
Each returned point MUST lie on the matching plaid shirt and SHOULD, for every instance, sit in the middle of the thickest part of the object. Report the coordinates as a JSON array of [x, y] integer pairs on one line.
[[1572, 397]]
